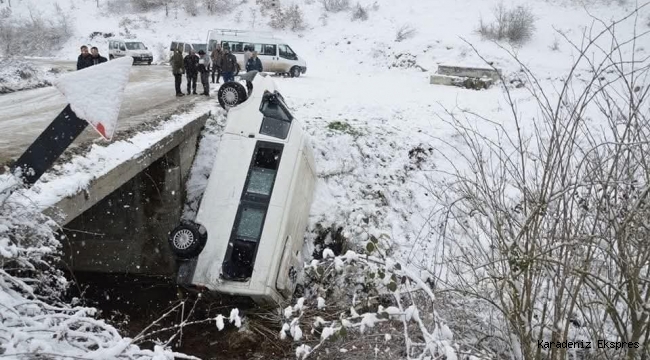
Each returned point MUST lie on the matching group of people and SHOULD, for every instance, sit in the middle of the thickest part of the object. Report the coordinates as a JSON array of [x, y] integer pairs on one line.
[[191, 65], [221, 62], [87, 59]]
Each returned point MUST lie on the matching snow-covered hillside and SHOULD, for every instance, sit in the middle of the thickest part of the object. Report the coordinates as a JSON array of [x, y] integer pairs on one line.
[[389, 152], [333, 41]]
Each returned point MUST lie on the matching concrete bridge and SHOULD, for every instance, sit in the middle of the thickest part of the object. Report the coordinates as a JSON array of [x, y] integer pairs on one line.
[[119, 223]]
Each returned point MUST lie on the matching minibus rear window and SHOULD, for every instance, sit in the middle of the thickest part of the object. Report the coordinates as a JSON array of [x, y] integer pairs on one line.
[[277, 118]]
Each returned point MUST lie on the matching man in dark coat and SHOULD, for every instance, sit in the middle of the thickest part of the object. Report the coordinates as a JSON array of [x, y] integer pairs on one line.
[[228, 65], [84, 60], [95, 57], [177, 70], [191, 63], [254, 63], [216, 56], [204, 70]]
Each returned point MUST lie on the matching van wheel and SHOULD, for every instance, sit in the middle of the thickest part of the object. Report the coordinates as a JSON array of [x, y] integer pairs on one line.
[[295, 71], [149, 63], [111, 57], [231, 94], [187, 240]]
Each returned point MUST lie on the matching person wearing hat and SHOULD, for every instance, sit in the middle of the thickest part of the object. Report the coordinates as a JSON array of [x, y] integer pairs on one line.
[[216, 55], [191, 63], [228, 65], [204, 70], [178, 70]]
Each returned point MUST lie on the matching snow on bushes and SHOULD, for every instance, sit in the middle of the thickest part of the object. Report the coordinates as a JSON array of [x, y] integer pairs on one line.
[[35, 319], [16, 75], [366, 293]]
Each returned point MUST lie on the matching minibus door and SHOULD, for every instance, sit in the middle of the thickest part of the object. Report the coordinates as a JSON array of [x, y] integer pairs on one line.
[[268, 55]]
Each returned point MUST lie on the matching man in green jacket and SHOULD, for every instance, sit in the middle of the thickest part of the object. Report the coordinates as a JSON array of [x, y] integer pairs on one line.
[[178, 69]]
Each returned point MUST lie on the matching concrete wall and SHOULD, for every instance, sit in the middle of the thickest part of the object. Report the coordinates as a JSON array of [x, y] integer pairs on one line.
[[125, 231]]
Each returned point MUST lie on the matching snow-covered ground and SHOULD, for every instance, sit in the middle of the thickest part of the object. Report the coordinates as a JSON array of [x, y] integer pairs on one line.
[[18, 75], [381, 133]]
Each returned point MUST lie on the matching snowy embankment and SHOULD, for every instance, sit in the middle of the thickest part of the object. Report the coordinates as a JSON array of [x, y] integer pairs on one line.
[[16, 75]]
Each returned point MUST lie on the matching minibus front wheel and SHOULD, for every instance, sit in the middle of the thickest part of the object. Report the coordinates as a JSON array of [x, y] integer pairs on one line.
[[187, 240]]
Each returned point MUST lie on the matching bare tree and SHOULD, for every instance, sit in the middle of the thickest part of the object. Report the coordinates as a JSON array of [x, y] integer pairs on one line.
[[547, 228]]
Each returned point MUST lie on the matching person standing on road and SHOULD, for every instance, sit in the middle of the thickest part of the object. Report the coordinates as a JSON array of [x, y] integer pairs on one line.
[[254, 63], [204, 69], [95, 57], [216, 56], [248, 52], [228, 65], [84, 60], [191, 63], [177, 70]]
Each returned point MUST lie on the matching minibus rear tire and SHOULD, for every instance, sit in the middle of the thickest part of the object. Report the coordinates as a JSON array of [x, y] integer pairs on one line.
[[233, 92], [187, 240]]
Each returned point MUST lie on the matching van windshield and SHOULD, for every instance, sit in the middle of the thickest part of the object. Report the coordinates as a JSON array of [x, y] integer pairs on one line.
[[287, 53], [135, 46]]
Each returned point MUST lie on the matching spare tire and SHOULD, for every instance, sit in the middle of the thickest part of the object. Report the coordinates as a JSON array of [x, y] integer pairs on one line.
[[187, 240], [231, 94]]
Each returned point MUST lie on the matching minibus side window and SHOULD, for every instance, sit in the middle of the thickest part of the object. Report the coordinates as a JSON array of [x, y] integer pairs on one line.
[[234, 46], [277, 118], [249, 221], [269, 50]]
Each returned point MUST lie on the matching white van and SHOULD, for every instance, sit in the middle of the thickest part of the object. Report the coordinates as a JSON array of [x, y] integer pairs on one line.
[[133, 48], [184, 47], [276, 55], [248, 234]]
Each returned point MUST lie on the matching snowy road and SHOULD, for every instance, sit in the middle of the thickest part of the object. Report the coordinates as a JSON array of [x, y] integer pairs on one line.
[[24, 114]]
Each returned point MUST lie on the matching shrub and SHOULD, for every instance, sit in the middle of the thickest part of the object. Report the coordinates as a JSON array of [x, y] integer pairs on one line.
[[359, 13], [190, 7], [515, 25], [37, 36], [290, 18], [404, 32], [335, 5], [117, 6], [220, 6], [145, 5], [267, 5]]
